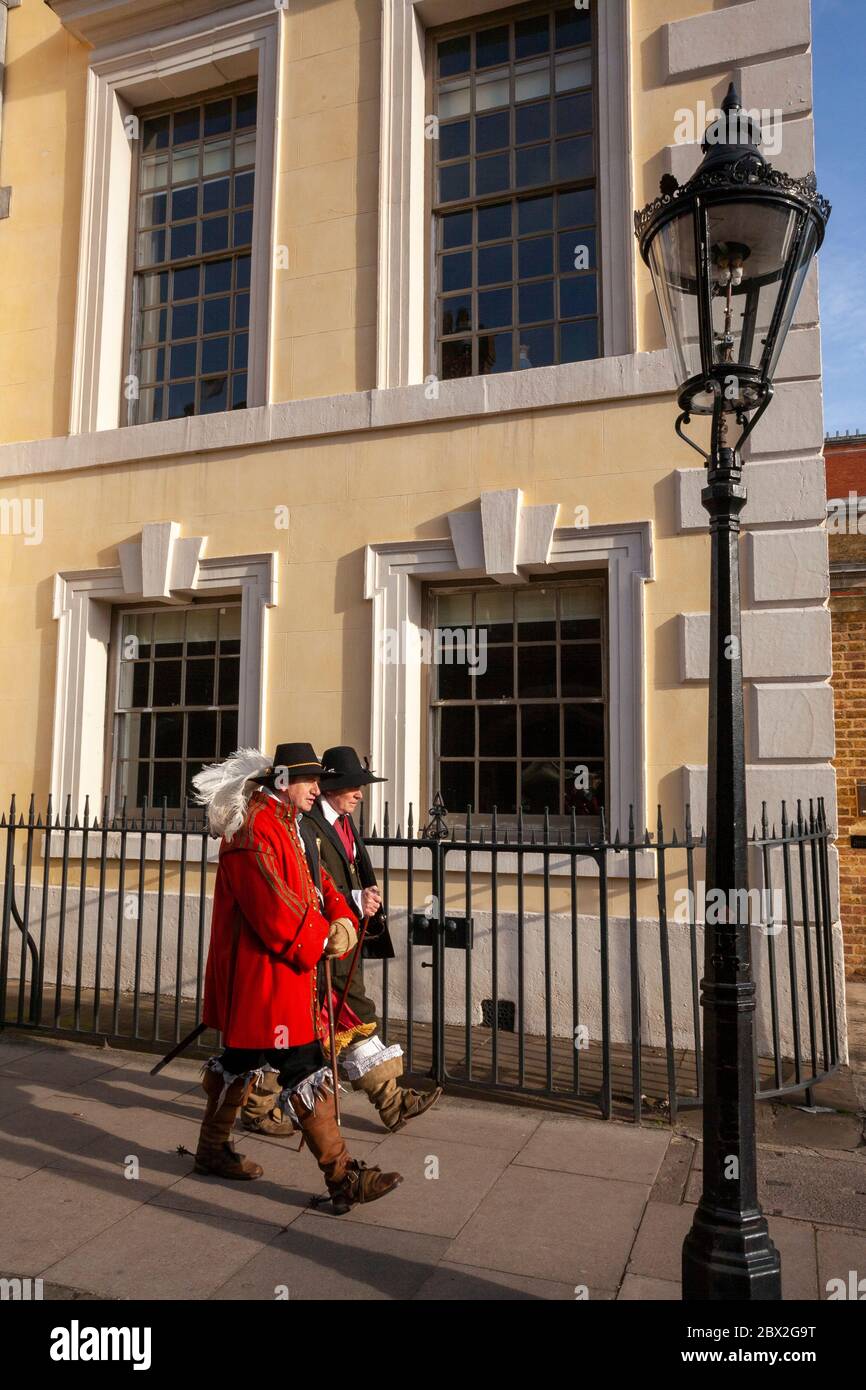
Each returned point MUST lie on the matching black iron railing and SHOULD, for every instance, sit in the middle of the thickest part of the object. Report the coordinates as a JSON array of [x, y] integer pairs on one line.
[[531, 962]]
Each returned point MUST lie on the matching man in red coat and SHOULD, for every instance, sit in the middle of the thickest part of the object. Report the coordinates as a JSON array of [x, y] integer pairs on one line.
[[270, 928]]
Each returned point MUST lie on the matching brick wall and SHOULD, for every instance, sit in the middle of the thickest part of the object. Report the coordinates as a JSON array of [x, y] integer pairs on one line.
[[849, 683]]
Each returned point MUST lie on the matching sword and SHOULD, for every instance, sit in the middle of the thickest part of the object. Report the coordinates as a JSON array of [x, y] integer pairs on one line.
[[175, 1051]]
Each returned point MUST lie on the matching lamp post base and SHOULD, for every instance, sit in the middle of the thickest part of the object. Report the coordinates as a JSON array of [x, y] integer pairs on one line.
[[730, 1260]]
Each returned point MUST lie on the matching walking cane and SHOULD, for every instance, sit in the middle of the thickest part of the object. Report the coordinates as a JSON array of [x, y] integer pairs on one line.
[[332, 1037]]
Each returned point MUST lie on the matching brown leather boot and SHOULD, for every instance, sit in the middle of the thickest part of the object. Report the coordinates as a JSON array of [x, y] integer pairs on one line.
[[215, 1153], [260, 1114], [396, 1104], [349, 1181]]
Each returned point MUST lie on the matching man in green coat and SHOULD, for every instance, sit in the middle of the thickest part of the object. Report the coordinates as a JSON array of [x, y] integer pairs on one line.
[[330, 838]]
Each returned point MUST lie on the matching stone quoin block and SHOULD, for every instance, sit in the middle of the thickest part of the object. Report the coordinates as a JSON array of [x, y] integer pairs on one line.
[[788, 565], [777, 642], [784, 491], [758, 29], [793, 721]]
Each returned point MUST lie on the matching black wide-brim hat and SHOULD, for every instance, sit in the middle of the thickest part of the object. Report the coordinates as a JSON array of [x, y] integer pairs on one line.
[[343, 768], [292, 760]]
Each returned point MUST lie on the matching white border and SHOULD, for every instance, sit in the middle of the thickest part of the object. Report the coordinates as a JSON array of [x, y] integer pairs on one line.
[[202, 53], [402, 311]]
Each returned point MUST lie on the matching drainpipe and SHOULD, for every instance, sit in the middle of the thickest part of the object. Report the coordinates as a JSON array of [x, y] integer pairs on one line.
[[5, 193]]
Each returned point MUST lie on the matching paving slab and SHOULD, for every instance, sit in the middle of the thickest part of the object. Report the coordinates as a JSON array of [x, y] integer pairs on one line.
[[435, 1205], [158, 1254], [277, 1198], [841, 1255], [337, 1260], [462, 1283], [64, 1067], [810, 1187], [596, 1149], [12, 1050], [51, 1214], [639, 1288], [130, 1083], [657, 1252], [32, 1136], [149, 1136], [17, 1094], [565, 1227], [489, 1127], [673, 1175]]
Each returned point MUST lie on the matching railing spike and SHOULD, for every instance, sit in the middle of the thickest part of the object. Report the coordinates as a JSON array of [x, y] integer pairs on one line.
[[674, 841], [784, 820], [631, 822], [410, 823], [385, 821]]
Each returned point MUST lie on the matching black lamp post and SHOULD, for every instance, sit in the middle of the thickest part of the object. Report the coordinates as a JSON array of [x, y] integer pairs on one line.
[[729, 252]]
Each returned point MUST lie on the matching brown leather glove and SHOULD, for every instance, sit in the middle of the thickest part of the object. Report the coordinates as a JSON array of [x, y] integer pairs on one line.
[[341, 937]]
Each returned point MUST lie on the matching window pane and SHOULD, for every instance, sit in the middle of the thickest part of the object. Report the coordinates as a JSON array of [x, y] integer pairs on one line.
[[218, 116], [533, 166], [453, 56], [215, 355], [579, 341], [540, 787], [230, 630], [245, 109], [456, 229], [456, 359], [168, 736], [454, 140], [577, 250], [182, 359], [494, 223], [201, 631], [166, 682], [228, 733], [577, 208], [583, 799], [183, 241], [181, 400], [215, 195], [539, 731], [536, 671], [457, 271], [534, 215], [456, 314], [531, 36], [572, 72], [201, 735], [457, 785], [536, 301], [491, 47], [572, 27], [497, 787], [536, 615], [581, 671], [135, 635], [533, 123], [154, 133], [574, 158], [494, 264], [453, 682], [491, 174], [494, 614], [491, 132], [532, 80], [215, 315], [496, 354], [536, 347], [491, 92], [217, 277], [168, 634], [184, 321], [185, 282], [457, 731], [535, 257], [167, 784], [584, 731], [229, 679], [494, 309], [453, 182], [574, 114], [497, 730], [454, 100], [200, 683], [497, 681], [577, 296], [581, 612]]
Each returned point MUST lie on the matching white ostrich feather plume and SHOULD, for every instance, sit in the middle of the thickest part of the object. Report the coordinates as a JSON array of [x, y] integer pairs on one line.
[[225, 789]]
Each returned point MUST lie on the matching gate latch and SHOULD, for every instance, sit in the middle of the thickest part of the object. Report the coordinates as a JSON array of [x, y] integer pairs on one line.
[[457, 931]]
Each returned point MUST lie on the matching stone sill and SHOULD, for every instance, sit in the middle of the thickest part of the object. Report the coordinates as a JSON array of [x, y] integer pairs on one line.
[[575, 383]]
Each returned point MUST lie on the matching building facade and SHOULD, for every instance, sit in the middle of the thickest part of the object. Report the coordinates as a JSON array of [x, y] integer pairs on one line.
[[323, 334]]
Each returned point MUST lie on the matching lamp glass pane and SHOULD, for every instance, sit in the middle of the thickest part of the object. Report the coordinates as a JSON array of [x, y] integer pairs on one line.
[[750, 245], [672, 261]]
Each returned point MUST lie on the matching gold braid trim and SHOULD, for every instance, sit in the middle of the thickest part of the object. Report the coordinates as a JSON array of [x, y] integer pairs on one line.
[[348, 1035]]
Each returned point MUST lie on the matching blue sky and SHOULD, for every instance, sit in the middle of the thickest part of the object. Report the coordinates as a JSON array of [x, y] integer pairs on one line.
[[839, 58]]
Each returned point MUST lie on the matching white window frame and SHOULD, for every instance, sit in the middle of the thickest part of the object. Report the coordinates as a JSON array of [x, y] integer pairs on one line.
[[403, 308], [84, 605], [165, 64], [396, 573]]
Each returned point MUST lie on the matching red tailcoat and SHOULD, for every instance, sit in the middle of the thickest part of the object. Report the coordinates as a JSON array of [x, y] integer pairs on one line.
[[268, 932]]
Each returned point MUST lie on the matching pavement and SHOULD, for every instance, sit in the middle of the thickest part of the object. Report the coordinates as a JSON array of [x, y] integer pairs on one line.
[[98, 1197]]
